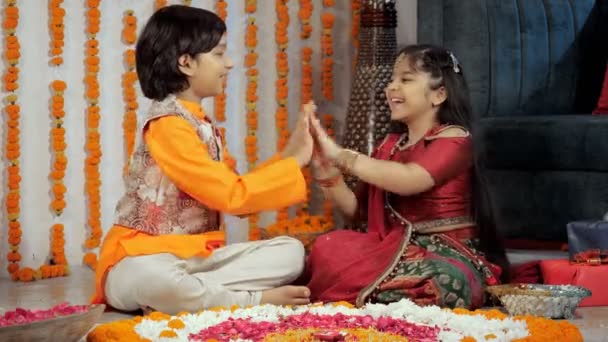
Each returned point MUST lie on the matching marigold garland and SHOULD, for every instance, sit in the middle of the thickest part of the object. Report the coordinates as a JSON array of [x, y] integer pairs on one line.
[[327, 88], [327, 51], [13, 112], [93, 146], [58, 146], [282, 90], [219, 109], [13, 197], [305, 13], [305, 228], [56, 27], [251, 57], [158, 4], [129, 80], [58, 266]]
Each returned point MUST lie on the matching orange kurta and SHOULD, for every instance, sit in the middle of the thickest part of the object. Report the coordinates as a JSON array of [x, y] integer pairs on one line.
[[180, 154]]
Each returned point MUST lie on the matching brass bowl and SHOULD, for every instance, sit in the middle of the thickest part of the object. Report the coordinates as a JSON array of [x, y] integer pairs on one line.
[[550, 301], [70, 328]]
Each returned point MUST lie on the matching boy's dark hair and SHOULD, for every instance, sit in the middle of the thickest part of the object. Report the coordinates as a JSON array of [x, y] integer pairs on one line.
[[171, 32]]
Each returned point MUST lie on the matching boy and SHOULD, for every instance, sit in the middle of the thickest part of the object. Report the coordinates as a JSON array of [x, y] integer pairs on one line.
[[165, 251]]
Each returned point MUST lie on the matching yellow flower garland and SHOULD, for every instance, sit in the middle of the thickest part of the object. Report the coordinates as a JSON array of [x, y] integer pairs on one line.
[[129, 80], [93, 146]]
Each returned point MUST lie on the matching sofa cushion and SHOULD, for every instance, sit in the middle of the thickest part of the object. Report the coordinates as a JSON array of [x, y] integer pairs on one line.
[[560, 143], [537, 205], [523, 57]]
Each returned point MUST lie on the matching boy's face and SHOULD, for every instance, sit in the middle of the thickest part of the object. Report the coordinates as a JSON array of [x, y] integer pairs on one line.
[[207, 72]]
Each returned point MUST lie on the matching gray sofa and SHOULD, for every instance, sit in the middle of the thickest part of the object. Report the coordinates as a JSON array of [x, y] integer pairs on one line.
[[535, 69]]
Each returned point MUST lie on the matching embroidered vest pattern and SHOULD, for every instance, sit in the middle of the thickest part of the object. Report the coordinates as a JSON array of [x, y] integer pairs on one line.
[[152, 203]]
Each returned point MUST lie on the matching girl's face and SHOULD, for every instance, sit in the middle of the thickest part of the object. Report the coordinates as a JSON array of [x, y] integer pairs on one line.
[[410, 93]]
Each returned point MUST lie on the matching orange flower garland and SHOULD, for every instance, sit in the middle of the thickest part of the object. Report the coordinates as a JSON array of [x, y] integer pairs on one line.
[[251, 141], [219, 107], [12, 109], [305, 13], [56, 27], [282, 90], [327, 51], [129, 79], [327, 89], [93, 146], [158, 4], [306, 227], [13, 198], [58, 264], [306, 74], [58, 147]]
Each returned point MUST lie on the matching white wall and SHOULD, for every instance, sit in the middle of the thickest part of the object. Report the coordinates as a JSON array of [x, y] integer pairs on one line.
[[33, 92]]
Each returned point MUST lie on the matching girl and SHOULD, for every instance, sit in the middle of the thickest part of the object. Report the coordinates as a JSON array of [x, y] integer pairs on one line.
[[431, 235]]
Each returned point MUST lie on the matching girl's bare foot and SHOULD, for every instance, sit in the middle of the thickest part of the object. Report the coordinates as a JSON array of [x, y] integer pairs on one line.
[[286, 295]]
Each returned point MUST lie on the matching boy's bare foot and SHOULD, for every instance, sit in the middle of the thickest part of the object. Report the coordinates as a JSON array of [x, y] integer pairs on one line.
[[146, 310], [286, 295]]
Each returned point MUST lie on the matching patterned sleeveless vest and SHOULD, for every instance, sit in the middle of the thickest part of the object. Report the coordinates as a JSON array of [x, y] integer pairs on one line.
[[152, 203]]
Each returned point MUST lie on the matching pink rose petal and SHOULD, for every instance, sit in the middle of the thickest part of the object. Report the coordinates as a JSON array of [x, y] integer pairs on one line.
[[23, 316], [330, 324]]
